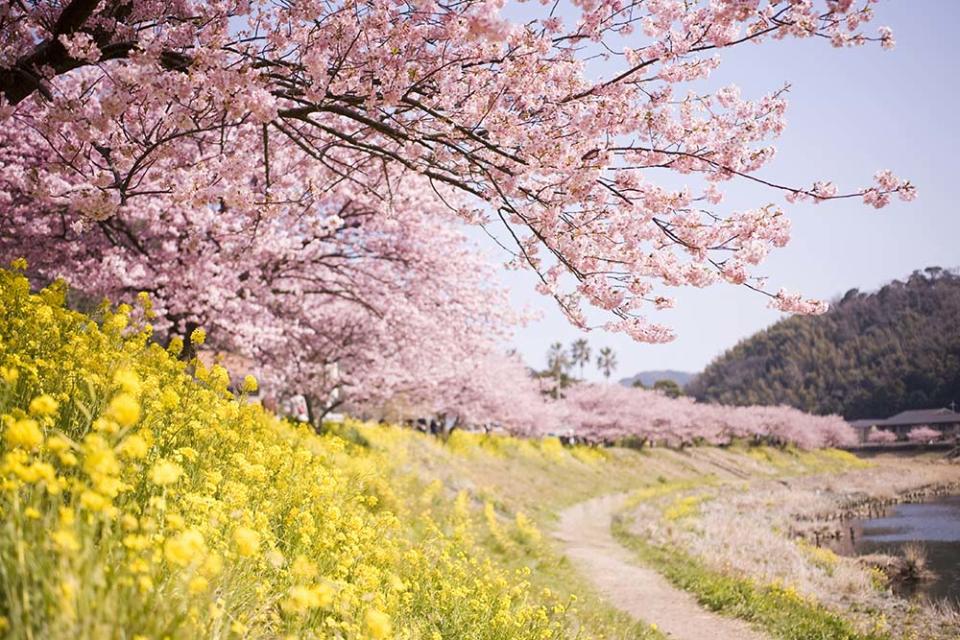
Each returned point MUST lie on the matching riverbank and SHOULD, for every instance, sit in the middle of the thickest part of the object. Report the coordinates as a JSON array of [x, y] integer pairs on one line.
[[545, 481], [763, 533]]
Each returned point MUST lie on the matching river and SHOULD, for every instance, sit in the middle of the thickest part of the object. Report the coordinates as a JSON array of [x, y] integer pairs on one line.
[[935, 524]]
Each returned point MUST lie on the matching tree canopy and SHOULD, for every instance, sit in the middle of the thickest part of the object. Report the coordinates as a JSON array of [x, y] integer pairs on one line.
[[263, 110]]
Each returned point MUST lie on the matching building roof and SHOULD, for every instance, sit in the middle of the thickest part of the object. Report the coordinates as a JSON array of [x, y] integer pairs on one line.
[[912, 417], [923, 416]]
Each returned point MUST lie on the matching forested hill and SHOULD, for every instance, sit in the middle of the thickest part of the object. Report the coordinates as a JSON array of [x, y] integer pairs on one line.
[[871, 355], [649, 378]]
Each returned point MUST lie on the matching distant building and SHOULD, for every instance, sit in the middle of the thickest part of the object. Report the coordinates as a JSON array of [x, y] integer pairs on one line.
[[945, 421]]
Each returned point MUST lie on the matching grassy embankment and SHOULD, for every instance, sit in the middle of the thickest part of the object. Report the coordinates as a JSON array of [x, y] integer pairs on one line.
[[521, 476], [142, 499], [775, 606]]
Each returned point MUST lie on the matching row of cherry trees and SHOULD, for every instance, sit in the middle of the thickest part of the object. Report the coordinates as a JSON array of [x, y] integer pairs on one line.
[[375, 298], [502, 395], [293, 175], [606, 413]]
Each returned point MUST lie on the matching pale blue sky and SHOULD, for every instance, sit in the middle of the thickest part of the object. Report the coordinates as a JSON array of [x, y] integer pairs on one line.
[[851, 112]]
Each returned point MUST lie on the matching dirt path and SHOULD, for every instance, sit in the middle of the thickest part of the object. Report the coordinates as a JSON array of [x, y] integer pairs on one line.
[[585, 533]]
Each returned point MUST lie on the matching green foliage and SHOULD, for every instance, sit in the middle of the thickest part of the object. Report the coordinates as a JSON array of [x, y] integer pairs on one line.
[[669, 388], [871, 356]]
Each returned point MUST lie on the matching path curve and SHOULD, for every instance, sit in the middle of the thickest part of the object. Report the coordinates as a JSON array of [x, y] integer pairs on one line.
[[584, 530]]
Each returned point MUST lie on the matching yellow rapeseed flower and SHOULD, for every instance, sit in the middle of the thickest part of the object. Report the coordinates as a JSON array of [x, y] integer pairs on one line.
[[345, 549], [65, 540], [250, 384], [145, 583], [133, 447], [128, 380], [324, 593], [93, 501], [136, 542], [99, 459], [301, 599], [198, 584], [184, 548], [165, 472], [129, 522], [378, 624], [246, 540], [169, 399], [24, 433], [44, 405], [57, 444], [175, 346], [105, 426], [67, 516], [67, 459], [198, 337], [303, 568], [213, 565], [124, 409]]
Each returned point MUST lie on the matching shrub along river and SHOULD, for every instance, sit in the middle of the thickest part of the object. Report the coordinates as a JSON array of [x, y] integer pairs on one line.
[[935, 526]]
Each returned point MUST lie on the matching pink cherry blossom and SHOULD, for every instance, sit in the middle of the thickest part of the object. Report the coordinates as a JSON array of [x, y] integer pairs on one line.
[[795, 303], [243, 109], [612, 413], [294, 176], [881, 436], [923, 434]]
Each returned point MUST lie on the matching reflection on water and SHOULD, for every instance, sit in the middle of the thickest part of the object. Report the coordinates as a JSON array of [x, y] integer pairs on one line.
[[935, 524]]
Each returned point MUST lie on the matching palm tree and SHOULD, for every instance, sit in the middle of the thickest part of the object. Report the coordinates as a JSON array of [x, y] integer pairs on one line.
[[557, 363], [580, 354], [607, 361]]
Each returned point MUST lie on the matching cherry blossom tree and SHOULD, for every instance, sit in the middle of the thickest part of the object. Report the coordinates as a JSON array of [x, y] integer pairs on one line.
[[881, 436], [609, 413], [234, 109], [291, 174], [373, 295], [499, 391], [923, 434]]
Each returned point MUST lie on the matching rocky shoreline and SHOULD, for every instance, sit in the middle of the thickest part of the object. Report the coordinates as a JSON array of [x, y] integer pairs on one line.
[[834, 525]]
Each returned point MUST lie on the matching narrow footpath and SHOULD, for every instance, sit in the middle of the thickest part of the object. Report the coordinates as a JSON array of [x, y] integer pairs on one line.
[[584, 530]]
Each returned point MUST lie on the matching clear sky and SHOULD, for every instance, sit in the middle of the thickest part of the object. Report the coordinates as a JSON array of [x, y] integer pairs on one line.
[[851, 112]]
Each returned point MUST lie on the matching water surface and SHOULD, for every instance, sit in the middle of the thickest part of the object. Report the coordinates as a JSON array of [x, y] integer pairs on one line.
[[935, 524]]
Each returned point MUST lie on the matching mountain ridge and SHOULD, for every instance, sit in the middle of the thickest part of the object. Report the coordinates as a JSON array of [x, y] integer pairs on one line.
[[648, 378], [871, 355]]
